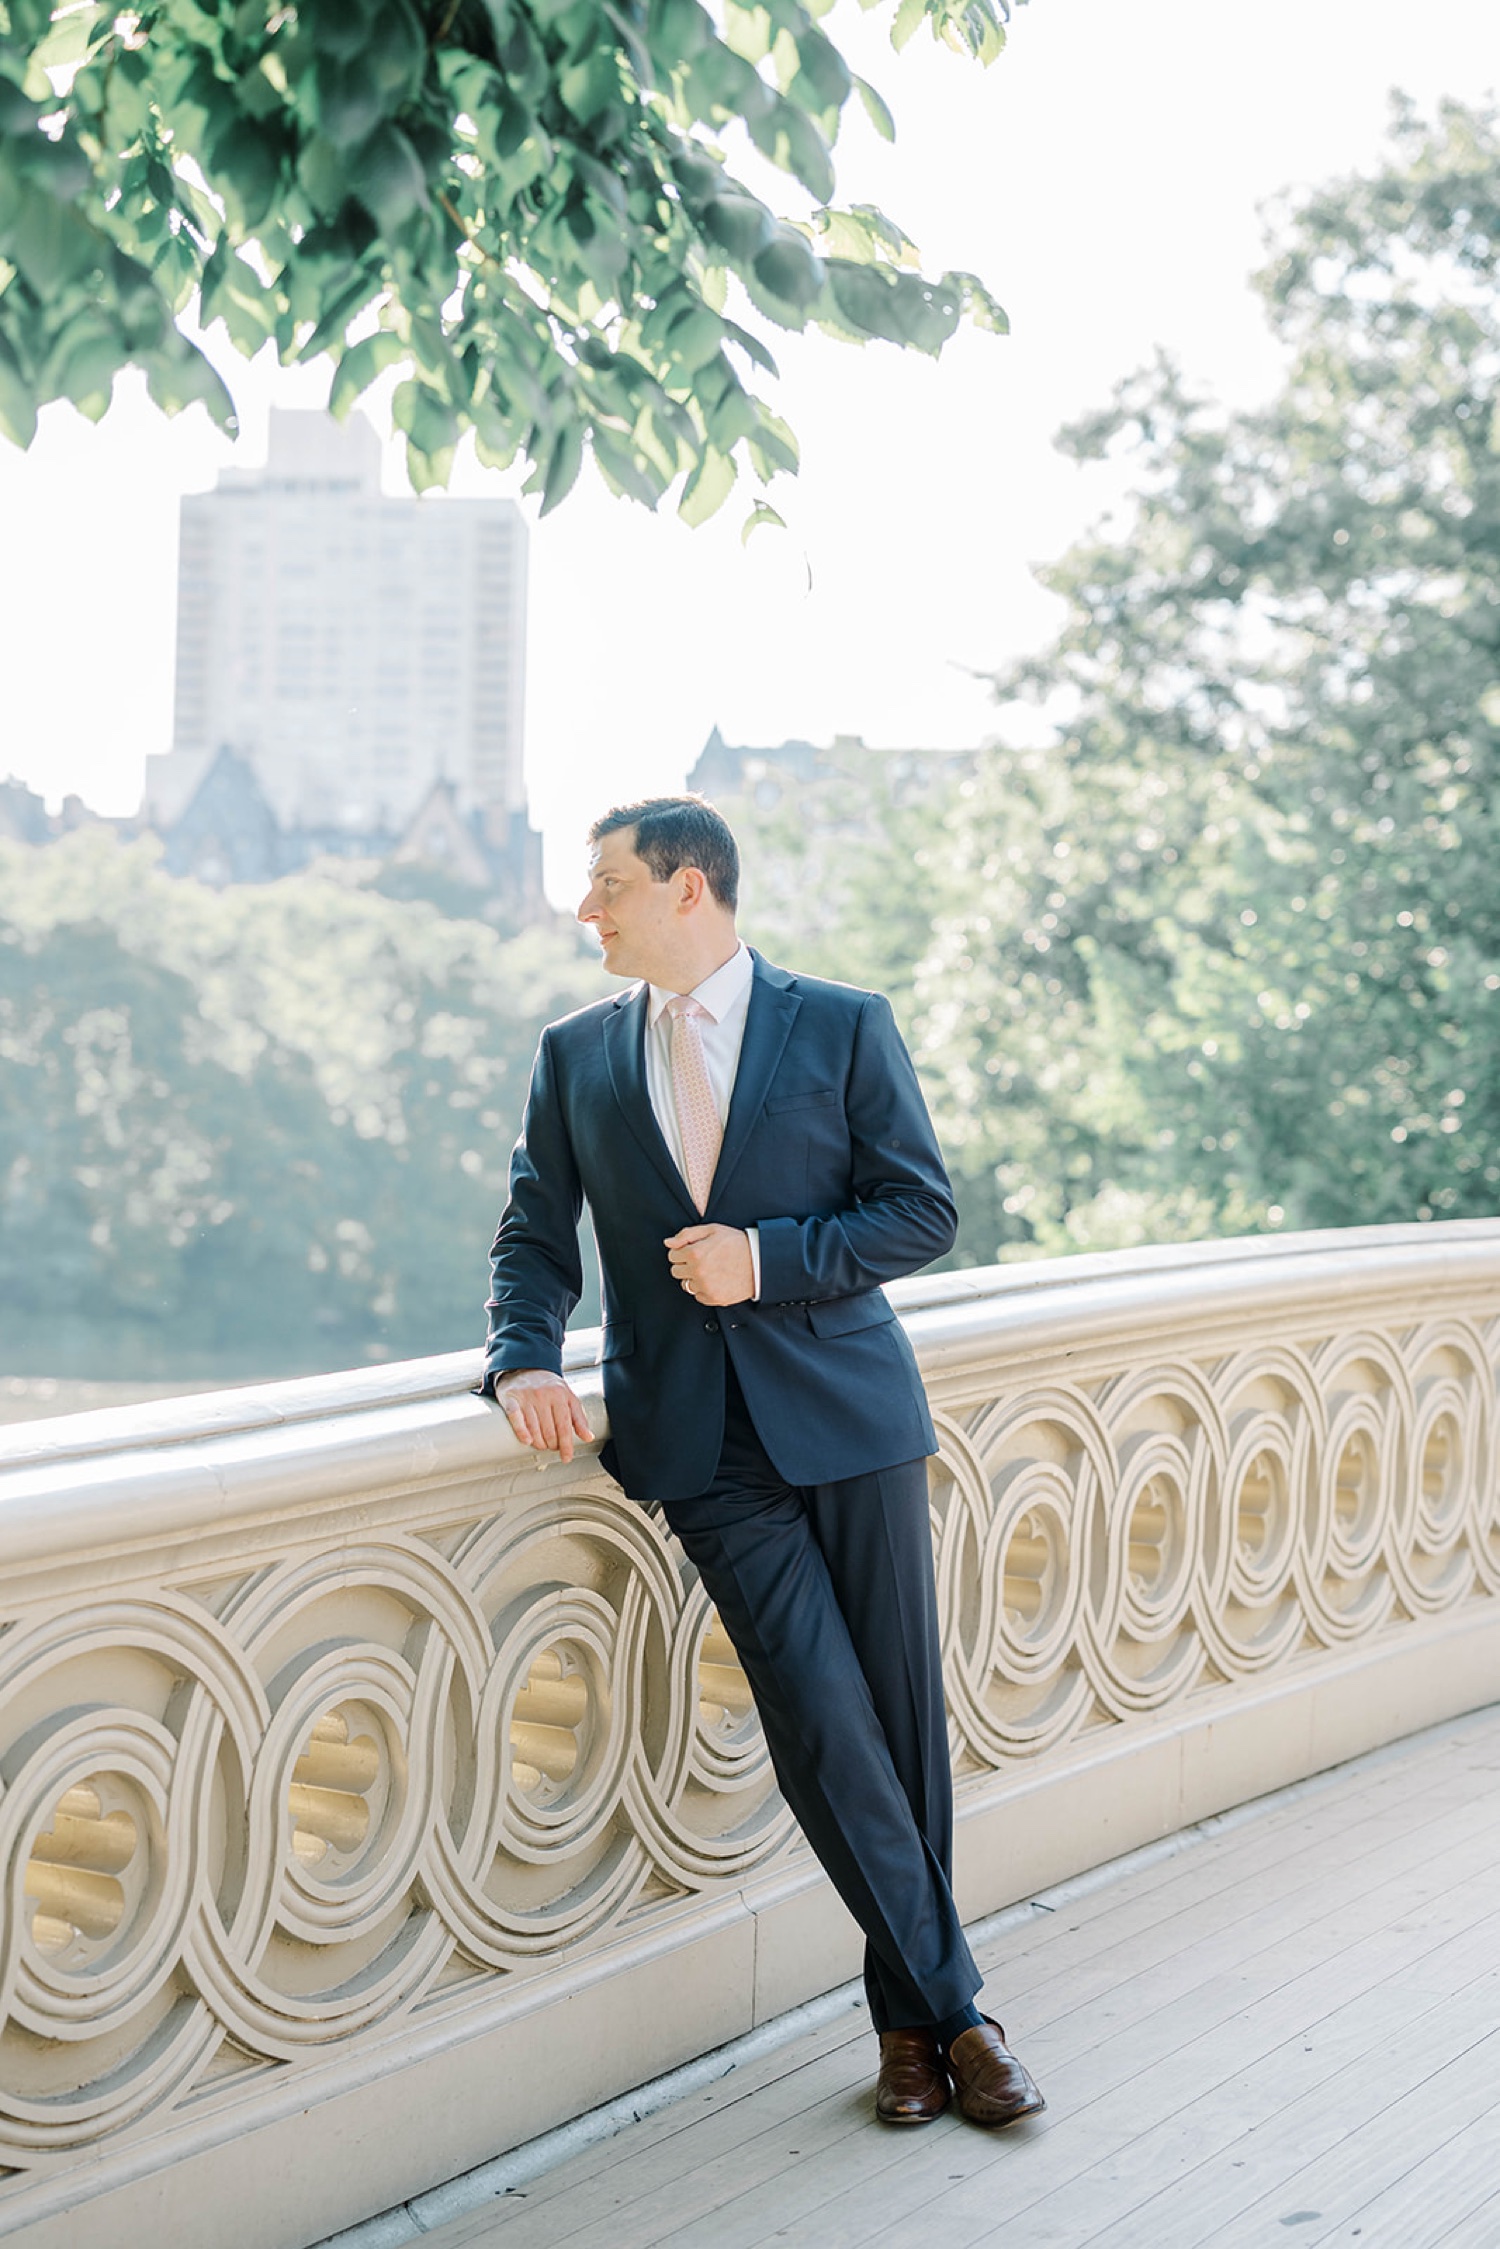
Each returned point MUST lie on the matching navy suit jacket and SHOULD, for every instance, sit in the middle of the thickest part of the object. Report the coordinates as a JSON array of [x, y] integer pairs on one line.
[[827, 1148]]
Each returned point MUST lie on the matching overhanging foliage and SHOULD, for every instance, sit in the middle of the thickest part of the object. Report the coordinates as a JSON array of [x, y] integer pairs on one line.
[[527, 203]]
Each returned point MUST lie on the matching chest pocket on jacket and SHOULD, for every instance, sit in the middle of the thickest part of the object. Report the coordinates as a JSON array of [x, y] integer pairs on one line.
[[819, 1097]]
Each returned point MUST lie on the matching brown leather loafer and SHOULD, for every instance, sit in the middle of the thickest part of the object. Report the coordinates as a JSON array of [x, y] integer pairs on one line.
[[912, 2087], [993, 2087]]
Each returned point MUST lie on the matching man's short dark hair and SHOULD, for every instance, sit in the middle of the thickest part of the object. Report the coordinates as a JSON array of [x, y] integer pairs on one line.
[[674, 832]]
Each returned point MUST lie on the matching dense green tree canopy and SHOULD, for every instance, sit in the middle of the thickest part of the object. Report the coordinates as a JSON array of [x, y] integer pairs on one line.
[[1228, 954], [528, 204], [1224, 953], [828, 876], [254, 1131]]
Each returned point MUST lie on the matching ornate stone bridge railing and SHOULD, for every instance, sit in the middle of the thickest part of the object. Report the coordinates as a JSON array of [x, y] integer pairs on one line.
[[370, 1800]]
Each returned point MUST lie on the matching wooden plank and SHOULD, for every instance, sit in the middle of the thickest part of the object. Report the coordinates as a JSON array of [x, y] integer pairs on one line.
[[1225, 1861], [1207, 2029], [1103, 2103], [864, 2209], [1183, 2181], [1199, 1906], [623, 2205], [1380, 2169], [1236, 1998], [1093, 2124], [670, 2202], [1166, 1874], [1120, 2061], [1234, 1934], [1480, 2223], [709, 2115], [1449, 2196]]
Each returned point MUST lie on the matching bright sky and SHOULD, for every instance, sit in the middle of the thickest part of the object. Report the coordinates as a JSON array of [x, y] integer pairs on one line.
[[1105, 177]]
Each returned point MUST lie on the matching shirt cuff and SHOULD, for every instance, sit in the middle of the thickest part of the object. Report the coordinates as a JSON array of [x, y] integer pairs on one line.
[[752, 1236]]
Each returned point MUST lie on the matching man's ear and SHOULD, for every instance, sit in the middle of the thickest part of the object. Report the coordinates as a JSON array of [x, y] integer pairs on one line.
[[694, 887]]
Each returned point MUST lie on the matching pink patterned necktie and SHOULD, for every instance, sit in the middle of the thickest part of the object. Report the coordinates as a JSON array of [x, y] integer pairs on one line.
[[693, 1097]]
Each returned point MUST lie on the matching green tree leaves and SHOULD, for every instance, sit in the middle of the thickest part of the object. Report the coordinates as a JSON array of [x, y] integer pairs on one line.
[[1225, 956], [791, 273], [1229, 954], [530, 198]]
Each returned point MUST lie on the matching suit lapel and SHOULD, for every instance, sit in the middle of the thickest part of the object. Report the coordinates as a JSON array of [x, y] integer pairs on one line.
[[625, 1059], [773, 1010]]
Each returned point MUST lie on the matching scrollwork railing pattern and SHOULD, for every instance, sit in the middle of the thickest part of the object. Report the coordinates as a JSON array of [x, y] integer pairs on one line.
[[256, 1806], [1105, 1551], [243, 1820]]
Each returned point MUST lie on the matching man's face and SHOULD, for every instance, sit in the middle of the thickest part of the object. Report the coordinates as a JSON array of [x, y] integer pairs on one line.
[[634, 917]]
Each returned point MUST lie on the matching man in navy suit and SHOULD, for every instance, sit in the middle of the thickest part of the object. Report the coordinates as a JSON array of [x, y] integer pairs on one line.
[[757, 1158]]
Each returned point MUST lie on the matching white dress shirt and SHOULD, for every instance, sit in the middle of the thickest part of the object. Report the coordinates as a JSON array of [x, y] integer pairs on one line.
[[725, 998]]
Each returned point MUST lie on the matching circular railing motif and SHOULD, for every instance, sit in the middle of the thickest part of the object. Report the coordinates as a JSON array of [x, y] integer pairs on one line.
[[243, 1822], [1102, 1554]]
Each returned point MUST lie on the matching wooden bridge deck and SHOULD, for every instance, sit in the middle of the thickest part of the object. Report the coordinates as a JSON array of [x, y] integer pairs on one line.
[[1288, 2031]]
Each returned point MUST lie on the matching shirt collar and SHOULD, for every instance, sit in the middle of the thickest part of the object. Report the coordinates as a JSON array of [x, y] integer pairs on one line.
[[717, 993]]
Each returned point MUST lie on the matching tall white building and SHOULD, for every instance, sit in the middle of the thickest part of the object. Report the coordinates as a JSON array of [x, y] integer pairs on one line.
[[353, 650]]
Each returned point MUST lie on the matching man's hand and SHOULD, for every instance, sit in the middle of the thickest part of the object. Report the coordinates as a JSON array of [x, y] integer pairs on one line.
[[543, 1411], [713, 1263]]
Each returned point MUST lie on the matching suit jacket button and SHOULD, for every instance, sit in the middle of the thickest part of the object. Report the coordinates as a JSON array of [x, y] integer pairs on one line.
[[710, 1327]]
